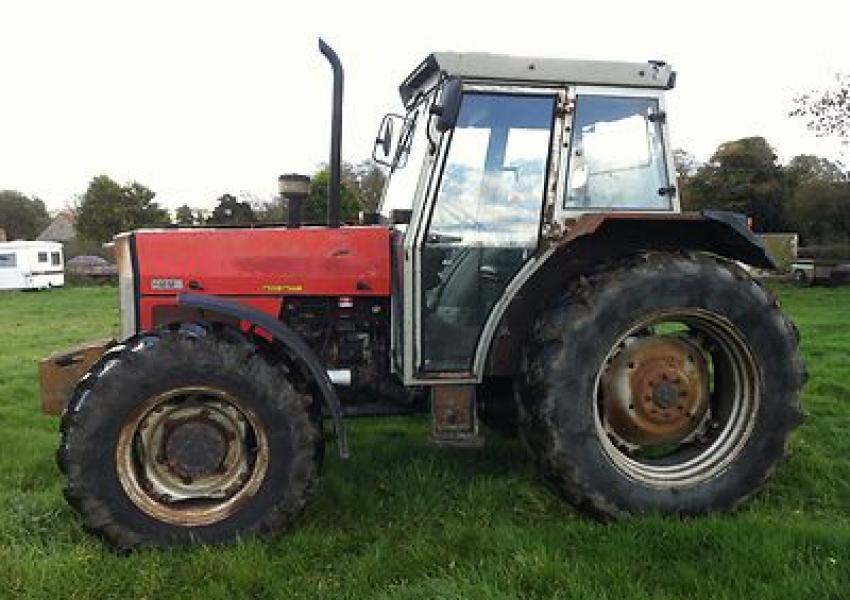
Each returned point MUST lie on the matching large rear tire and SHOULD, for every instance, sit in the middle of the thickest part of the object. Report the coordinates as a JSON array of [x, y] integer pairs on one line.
[[188, 436], [665, 384]]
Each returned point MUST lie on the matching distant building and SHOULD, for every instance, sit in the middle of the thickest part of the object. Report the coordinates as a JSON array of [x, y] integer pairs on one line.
[[63, 228]]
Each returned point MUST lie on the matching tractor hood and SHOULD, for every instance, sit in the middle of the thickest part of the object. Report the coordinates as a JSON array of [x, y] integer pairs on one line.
[[309, 261]]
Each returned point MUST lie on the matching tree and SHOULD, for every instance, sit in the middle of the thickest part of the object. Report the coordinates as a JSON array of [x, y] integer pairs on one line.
[[184, 215], [820, 211], [685, 163], [806, 168], [21, 217], [826, 112], [686, 166], [369, 184], [108, 208], [231, 211], [315, 207], [742, 176], [269, 211]]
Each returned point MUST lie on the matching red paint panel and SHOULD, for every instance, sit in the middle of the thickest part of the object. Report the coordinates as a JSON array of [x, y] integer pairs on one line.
[[309, 261]]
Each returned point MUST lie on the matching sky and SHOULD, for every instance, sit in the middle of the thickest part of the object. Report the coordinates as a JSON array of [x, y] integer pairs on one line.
[[196, 99]]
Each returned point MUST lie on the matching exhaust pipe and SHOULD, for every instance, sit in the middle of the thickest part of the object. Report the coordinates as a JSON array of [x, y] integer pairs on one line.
[[335, 161]]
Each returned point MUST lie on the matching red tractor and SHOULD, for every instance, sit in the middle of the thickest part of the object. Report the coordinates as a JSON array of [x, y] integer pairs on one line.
[[529, 265]]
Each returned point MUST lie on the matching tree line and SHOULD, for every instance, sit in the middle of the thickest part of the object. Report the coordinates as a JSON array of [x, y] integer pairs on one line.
[[107, 207], [809, 195]]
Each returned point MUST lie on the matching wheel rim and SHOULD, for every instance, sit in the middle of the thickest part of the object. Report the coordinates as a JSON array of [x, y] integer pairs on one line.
[[192, 456], [676, 398]]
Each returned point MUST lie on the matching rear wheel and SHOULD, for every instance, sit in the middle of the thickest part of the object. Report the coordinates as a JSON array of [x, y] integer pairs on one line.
[[663, 384], [184, 436]]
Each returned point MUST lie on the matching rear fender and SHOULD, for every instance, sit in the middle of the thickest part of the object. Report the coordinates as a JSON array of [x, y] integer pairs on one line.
[[593, 239], [294, 346]]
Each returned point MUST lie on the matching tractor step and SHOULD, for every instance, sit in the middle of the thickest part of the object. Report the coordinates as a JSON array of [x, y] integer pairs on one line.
[[454, 418]]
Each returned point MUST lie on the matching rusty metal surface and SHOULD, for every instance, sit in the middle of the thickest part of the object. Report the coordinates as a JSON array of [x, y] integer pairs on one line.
[[656, 390], [192, 456], [60, 372], [589, 223], [454, 416]]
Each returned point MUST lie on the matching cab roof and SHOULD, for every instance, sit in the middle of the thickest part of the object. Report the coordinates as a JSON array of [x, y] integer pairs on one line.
[[534, 71]]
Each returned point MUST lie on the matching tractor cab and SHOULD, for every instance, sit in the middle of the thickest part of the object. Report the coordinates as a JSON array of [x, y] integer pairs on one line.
[[492, 160]]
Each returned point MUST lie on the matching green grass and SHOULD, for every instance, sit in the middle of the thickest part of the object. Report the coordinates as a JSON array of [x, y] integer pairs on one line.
[[402, 519]]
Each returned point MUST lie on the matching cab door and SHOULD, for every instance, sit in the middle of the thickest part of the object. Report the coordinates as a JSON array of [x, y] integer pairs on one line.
[[478, 227]]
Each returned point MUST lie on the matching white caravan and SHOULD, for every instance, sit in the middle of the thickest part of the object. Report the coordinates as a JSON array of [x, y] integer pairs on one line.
[[31, 265]]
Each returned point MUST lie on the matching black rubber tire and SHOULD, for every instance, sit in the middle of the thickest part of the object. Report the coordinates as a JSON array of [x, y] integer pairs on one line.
[[152, 363], [497, 408], [569, 343]]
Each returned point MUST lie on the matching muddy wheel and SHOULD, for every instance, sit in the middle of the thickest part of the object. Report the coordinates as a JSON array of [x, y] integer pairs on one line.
[[663, 384], [186, 436]]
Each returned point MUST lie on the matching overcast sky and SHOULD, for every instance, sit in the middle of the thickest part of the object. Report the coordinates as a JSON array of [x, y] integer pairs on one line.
[[195, 99]]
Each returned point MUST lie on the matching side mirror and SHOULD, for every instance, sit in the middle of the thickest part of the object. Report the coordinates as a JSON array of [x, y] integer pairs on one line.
[[382, 152], [447, 109]]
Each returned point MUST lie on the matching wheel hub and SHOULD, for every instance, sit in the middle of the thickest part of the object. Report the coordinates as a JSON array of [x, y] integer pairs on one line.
[[195, 448], [655, 391], [192, 455]]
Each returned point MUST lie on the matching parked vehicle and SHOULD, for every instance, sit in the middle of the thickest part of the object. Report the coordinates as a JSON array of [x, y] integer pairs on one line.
[[811, 271], [530, 260], [94, 268], [28, 265]]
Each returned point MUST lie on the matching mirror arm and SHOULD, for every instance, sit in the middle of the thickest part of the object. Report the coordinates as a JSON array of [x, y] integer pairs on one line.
[[432, 145]]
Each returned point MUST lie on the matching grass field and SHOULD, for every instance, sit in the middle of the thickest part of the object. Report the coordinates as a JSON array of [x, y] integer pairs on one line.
[[402, 519]]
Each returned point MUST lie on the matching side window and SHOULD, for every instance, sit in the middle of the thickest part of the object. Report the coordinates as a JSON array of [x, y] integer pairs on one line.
[[8, 260], [55, 259], [617, 155], [42, 257]]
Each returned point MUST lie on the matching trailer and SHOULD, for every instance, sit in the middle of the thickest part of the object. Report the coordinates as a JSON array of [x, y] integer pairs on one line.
[[31, 265]]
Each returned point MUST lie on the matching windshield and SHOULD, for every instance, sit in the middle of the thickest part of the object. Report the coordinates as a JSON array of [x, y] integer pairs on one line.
[[403, 178]]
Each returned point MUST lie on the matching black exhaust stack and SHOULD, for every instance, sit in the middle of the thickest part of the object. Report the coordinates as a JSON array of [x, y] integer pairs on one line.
[[335, 161]]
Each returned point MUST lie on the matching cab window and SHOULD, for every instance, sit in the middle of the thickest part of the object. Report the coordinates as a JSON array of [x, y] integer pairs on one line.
[[485, 222], [617, 155]]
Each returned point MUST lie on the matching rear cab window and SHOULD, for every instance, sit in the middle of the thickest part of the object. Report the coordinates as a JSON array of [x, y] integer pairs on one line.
[[617, 155]]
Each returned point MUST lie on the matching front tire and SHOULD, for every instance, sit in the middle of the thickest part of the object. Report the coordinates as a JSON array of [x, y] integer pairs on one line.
[[186, 436], [664, 384]]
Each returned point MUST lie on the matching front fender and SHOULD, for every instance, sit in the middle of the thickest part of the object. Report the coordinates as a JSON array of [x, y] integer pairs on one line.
[[295, 346]]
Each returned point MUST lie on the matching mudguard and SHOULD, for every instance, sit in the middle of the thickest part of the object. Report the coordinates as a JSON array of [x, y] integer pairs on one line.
[[593, 238], [298, 349]]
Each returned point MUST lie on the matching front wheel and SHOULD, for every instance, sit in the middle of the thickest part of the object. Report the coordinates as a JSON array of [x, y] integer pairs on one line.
[[663, 384], [188, 436]]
